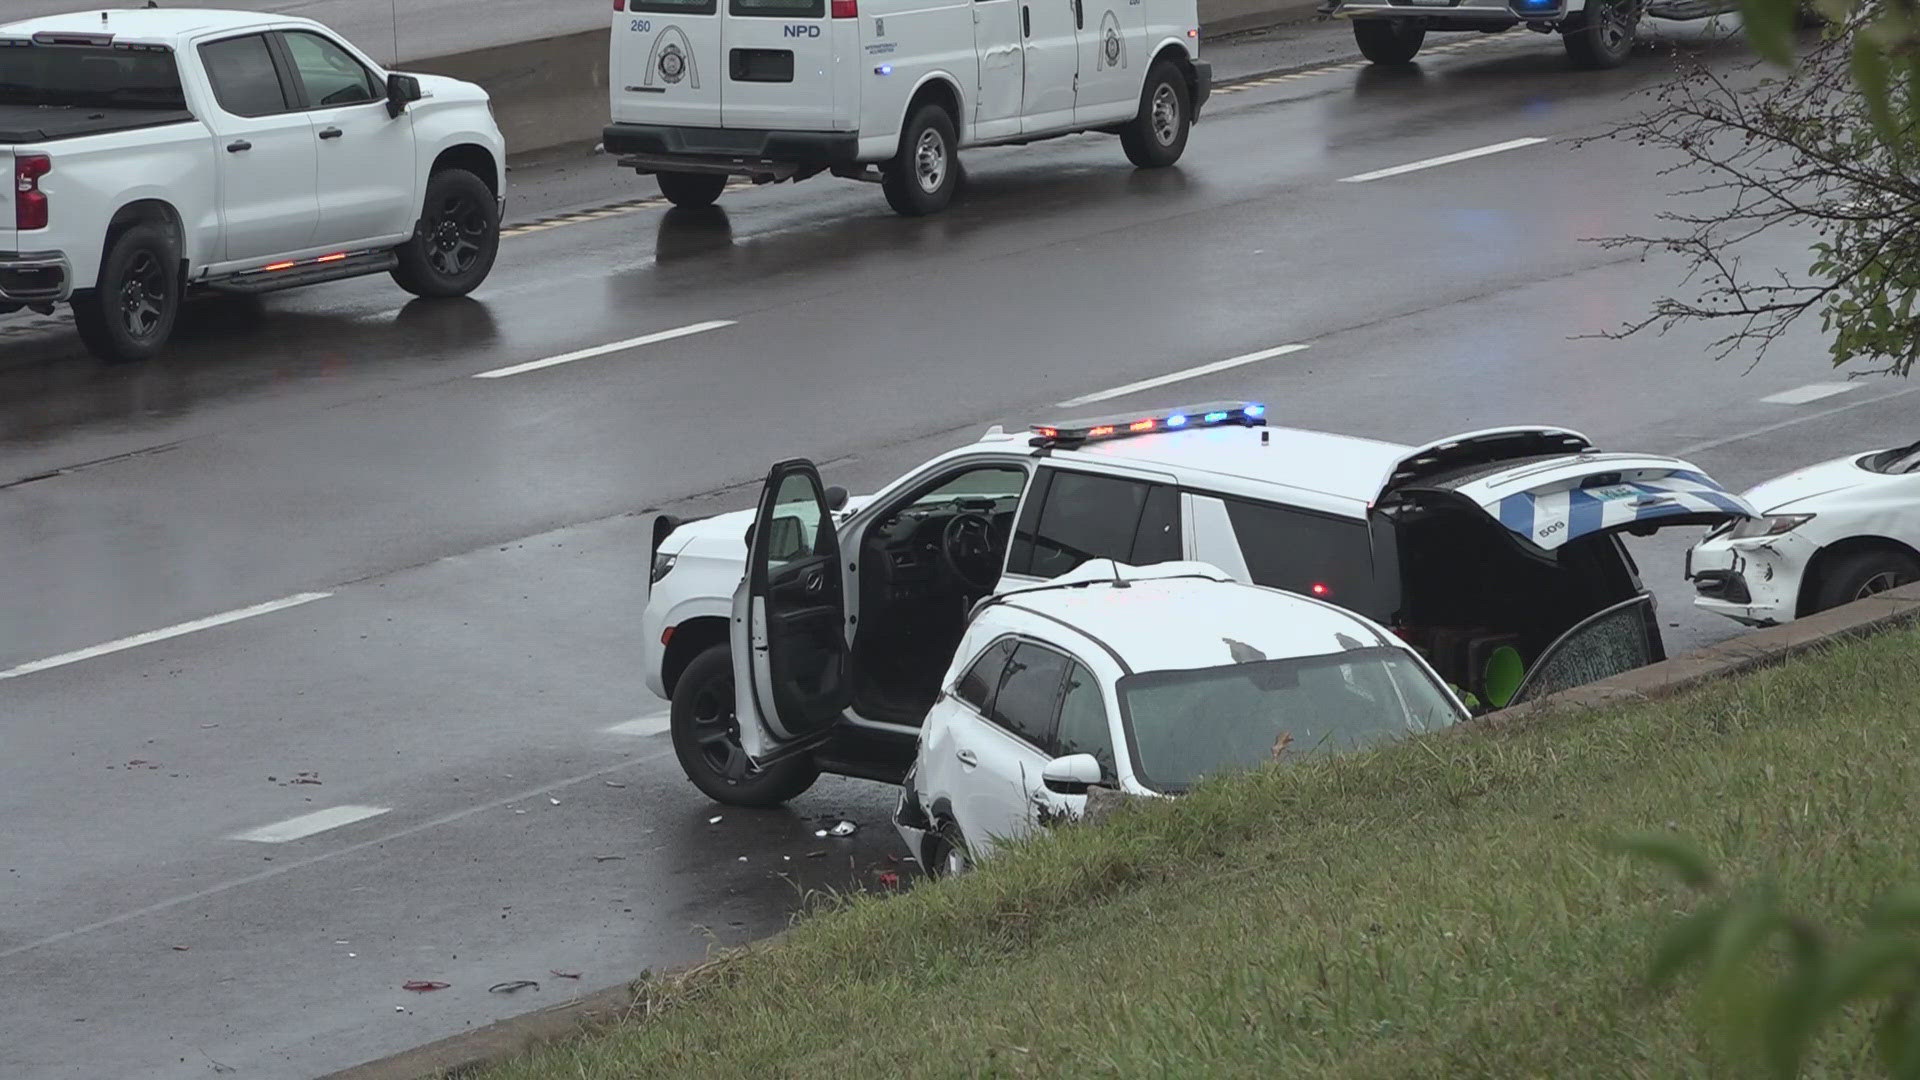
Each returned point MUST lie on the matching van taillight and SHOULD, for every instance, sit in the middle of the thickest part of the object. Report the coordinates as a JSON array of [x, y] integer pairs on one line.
[[846, 9], [619, 5], [29, 202]]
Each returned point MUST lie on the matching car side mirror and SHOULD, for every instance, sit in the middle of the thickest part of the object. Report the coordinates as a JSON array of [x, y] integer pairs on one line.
[[836, 498], [401, 90], [1072, 774]]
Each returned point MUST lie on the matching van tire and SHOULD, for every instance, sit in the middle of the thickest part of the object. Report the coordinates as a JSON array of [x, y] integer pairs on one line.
[[703, 726], [456, 239], [1602, 36], [921, 178], [1388, 41], [130, 314], [691, 190], [1157, 135]]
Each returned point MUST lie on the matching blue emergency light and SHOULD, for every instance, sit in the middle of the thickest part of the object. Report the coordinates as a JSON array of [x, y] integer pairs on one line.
[[1126, 425]]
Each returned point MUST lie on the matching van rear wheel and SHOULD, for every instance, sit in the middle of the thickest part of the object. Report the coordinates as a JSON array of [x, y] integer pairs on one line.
[[1388, 41], [921, 178], [691, 190]]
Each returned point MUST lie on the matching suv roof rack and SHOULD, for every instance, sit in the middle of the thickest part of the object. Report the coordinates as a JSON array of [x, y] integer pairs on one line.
[[1070, 433]]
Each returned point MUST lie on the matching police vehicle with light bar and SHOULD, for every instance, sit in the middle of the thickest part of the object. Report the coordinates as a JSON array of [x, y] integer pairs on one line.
[[1596, 33], [812, 634], [890, 90]]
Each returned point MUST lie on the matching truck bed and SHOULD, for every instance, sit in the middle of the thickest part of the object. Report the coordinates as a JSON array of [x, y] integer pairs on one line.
[[42, 123]]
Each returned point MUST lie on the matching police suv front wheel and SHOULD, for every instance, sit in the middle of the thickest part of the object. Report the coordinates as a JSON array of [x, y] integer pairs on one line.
[[1157, 135], [706, 739], [921, 178]]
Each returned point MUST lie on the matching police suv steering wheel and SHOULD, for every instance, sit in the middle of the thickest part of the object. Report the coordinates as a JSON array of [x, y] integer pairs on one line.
[[966, 547]]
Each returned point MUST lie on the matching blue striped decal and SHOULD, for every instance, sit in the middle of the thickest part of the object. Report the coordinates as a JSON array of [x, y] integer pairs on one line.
[[1516, 513]]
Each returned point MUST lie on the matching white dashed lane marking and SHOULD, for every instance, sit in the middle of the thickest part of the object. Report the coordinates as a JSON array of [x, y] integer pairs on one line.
[[162, 634], [1179, 376], [1443, 159], [307, 825], [1800, 395], [602, 350]]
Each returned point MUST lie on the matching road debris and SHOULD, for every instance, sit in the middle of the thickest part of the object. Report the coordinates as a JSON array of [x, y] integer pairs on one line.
[[421, 986], [512, 986], [553, 800], [613, 783], [181, 948], [608, 858], [844, 828], [715, 819], [889, 879], [743, 858], [563, 974]]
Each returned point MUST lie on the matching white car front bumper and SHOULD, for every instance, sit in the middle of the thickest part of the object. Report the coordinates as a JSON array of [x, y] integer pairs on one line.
[[1755, 581]]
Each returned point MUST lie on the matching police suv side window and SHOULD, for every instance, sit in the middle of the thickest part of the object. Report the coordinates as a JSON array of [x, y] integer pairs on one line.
[[1029, 694], [976, 687], [243, 76], [1307, 553], [1071, 517]]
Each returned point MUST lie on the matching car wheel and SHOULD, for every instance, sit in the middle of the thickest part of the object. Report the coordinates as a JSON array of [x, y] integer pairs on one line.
[[1860, 575], [1602, 36], [921, 178], [947, 851], [706, 739], [455, 242], [1388, 41], [691, 190], [131, 313], [1157, 134]]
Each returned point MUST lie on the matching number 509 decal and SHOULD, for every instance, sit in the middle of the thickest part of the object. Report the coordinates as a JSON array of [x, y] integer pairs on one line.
[[641, 25]]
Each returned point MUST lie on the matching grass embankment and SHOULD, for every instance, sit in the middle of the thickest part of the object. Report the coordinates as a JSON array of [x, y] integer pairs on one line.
[[1446, 907]]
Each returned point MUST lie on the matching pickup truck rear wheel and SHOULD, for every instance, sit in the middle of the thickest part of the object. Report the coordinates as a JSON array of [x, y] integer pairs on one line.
[[706, 739], [130, 314], [453, 245], [1602, 35], [1388, 41], [1157, 134], [921, 178], [691, 190]]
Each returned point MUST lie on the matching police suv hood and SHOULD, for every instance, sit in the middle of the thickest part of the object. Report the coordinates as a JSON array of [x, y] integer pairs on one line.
[[724, 536], [1789, 493]]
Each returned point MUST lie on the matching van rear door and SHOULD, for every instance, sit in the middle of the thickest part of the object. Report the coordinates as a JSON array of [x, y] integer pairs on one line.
[[665, 64], [778, 64], [8, 237]]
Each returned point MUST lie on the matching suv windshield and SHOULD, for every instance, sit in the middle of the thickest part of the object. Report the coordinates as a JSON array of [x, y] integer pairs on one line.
[[1183, 725], [89, 77]]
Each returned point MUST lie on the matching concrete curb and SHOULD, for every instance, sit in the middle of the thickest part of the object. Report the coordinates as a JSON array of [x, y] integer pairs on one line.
[[553, 91], [1762, 648]]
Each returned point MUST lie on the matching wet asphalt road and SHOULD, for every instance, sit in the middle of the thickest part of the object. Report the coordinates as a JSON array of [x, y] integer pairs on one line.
[[482, 542]]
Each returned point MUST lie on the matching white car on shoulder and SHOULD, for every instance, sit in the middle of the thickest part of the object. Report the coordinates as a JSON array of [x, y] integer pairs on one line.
[[1144, 680], [819, 645], [1828, 534]]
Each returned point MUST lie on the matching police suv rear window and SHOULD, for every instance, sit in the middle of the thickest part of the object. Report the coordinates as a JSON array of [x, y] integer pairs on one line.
[[1307, 553], [779, 9]]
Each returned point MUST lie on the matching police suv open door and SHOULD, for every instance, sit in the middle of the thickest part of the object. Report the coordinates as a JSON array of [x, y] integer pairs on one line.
[[1507, 541], [791, 666]]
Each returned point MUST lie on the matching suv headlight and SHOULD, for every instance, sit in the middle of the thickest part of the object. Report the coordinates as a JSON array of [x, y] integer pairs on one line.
[[1769, 525], [662, 564]]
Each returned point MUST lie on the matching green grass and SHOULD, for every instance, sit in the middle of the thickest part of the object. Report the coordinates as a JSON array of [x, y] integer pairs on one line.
[[1444, 907]]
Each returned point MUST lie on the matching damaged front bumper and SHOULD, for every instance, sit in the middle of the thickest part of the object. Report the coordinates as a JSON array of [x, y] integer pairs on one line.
[[910, 818], [1753, 581]]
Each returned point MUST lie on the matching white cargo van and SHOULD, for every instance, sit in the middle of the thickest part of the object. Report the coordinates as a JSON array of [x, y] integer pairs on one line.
[[889, 90]]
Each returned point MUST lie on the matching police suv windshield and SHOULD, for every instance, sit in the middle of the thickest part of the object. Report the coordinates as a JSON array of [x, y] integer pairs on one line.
[[1183, 725], [89, 77]]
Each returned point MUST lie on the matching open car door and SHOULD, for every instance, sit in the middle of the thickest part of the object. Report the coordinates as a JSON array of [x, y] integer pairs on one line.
[[791, 665], [1606, 643]]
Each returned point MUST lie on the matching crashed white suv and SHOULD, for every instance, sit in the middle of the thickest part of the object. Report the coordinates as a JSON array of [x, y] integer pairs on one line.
[[820, 644]]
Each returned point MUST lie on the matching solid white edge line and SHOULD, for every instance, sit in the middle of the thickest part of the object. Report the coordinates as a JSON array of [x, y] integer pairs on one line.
[[1444, 159], [1179, 376], [644, 725], [1802, 395], [297, 828], [163, 634], [1691, 449], [602, 350]]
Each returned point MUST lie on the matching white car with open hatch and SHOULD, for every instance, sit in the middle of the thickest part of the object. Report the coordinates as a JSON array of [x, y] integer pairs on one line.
[[1827, 534], [813, 633], [1144, 680], [890, 90]]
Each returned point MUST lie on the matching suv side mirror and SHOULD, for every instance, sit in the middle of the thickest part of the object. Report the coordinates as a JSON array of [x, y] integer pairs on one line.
[[401, 90], [1071, 775], [836, 498]]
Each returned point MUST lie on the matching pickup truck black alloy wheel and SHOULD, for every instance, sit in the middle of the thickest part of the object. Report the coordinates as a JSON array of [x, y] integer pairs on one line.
[[453, 246], [131, 313]]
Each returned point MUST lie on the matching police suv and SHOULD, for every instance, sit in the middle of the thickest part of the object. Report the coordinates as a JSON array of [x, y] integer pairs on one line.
[[813, 634], [890, 90]]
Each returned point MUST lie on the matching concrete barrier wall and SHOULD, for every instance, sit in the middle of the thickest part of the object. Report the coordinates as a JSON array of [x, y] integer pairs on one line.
[[552, 92]]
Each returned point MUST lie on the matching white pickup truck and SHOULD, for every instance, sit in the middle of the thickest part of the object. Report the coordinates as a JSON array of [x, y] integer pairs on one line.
[[153, 151]]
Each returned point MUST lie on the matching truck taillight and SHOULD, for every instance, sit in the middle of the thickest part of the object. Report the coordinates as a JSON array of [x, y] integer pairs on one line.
[[846, 9], [29, 202]]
